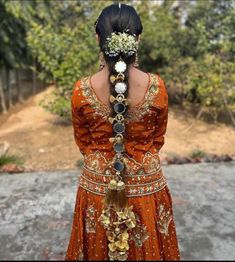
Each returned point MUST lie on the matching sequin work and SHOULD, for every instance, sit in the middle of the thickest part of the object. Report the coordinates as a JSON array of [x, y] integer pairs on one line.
[[154, 235]]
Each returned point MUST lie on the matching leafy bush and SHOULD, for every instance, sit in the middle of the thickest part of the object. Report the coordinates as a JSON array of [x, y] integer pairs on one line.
[[206, 82], [66, 63], [57, 104]]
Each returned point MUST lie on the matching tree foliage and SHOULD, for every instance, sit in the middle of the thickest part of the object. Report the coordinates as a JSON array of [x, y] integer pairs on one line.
[[190, 43], [13, 46]]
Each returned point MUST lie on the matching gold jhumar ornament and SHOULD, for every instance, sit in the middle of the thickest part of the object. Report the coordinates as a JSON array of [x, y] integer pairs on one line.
[[118, 223], [117, 216]]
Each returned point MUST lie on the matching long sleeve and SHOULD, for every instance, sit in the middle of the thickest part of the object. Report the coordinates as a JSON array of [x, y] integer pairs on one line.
[[80, 125], [162, 116]]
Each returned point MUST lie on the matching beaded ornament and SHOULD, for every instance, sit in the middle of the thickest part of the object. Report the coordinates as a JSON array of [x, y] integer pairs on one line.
[[117, 217]]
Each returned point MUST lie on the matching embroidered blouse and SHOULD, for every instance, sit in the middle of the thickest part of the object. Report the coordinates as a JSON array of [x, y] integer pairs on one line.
[[154, 237], [145, 125]]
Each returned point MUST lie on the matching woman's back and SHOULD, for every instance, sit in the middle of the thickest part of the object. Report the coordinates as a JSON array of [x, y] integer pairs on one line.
[[145, 122], [146, 186], [138, 85], [123, 208]]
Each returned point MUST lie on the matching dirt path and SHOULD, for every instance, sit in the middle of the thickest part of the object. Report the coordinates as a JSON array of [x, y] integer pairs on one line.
[[45, 143]]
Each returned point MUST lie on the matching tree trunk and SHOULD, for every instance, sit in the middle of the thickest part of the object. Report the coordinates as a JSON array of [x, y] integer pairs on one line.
[[201, 110], [19, 86], [34, 77], [9, 88], [228, 110], [2, 96]]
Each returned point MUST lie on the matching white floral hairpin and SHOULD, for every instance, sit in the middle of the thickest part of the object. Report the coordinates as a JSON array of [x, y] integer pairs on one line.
[[121, 42], [120, 66]]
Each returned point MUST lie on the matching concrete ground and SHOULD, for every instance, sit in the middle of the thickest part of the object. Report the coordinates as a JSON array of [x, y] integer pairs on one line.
[[36, 212]]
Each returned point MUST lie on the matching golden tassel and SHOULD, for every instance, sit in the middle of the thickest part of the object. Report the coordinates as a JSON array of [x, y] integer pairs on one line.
[[116, 195]]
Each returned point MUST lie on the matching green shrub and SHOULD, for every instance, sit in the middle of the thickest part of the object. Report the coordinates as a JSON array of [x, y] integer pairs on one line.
[[197, 153], [10, 159], [57, 104]]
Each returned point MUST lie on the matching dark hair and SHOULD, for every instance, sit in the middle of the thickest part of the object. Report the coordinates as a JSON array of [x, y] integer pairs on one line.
[[117, 18]]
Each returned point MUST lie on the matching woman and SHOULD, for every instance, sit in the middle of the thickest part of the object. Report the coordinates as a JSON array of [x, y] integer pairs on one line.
[[123, 208]]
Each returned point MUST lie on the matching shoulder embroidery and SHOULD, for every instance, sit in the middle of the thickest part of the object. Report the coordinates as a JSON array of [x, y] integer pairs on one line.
[[88, 93], [138, 112], [134, 113]]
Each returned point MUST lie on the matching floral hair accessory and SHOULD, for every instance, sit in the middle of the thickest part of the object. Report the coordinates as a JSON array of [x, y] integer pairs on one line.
[[121, 43], [120, 66]]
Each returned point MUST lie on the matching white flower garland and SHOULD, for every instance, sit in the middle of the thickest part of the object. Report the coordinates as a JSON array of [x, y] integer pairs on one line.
[[121, 42]]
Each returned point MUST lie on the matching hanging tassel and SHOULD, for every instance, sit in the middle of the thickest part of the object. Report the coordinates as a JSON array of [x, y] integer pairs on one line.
[[118, 219], [121, 195], [111, 194], [116, 195]]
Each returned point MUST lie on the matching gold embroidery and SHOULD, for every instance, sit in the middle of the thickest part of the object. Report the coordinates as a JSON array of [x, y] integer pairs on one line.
[[132, 190], [150, 164], [91, 97], [142, 178], [164, 219], [90, 223], [99, 163], [118, 224], [139, 111], [79, 255], [96, 162], [136, 112], [139, 234]]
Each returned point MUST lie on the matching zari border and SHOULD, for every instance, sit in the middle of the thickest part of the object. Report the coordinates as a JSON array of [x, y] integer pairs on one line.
[[139, 166], [152, 187], [103, 174]]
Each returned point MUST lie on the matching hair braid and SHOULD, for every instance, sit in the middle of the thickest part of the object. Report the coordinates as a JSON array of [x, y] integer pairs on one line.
[[117, 21]]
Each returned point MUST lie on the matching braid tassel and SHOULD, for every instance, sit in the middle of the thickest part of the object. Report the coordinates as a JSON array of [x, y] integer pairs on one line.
[[116, 195], [117, 217]]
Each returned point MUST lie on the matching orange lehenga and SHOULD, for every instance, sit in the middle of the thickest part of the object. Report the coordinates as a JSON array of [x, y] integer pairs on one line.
[[154, 237]]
